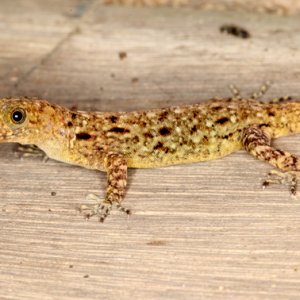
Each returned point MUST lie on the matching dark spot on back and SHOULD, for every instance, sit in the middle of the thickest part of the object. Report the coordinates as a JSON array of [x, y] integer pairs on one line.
[[271, 114], [148, 135], [119, 130], [73, 116], [263, 125], [113, 119], [158, 146], [164, 131], [162, 116], [280, 152], [99, 148], [194, 129], [83, 136], [70, 124], [217, 108], [227, 136], [222, 120], [135, 139], [166, 149], [143, 124], [204, 140]]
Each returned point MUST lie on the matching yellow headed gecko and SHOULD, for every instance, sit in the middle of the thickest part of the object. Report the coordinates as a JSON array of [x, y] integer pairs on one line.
[[114, 141]]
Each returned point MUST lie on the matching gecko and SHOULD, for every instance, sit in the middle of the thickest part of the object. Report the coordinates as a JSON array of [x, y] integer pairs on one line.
[[112, 142]]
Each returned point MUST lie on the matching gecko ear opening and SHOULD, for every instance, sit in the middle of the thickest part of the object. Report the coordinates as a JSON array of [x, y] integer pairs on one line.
[[18, 115]]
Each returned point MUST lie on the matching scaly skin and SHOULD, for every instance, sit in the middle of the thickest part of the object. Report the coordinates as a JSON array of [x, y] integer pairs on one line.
[[111, 142]]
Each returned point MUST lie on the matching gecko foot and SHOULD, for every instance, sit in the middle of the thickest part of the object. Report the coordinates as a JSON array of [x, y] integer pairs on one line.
[[256, 95], [287, 178], [24, 151], [101, 209]]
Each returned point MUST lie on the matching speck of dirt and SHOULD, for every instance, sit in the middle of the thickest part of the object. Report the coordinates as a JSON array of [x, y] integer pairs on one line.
[[235, 30], [156, 243], [122, 55]]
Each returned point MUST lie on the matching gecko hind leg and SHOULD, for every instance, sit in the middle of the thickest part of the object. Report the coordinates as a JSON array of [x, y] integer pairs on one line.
[[257, 141]]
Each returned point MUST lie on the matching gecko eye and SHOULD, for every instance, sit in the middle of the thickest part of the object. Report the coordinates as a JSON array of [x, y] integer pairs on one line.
[[18, 115]]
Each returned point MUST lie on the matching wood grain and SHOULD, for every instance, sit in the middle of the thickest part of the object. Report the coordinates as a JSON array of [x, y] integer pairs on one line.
[[200, 231]]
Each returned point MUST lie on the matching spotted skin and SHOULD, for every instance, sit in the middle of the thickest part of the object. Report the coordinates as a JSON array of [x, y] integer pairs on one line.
[[114, 141]]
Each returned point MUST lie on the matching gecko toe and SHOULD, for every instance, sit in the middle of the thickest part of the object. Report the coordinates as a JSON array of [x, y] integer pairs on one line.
[[123, 209]]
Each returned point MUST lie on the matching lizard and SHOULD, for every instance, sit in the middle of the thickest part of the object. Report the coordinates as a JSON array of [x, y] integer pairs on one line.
[[114, 141]]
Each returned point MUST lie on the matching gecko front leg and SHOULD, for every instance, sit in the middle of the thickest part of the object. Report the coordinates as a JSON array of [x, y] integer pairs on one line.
[[257, 141], [116, 168], [29, 150]]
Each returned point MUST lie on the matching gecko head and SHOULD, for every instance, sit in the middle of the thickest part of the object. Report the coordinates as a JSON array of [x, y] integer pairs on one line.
[[19, 120]]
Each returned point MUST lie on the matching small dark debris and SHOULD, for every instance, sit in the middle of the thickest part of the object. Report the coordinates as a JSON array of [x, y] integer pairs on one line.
[[156, 243], [235, 31], [71, 266], [134, 79], [53, 193], [122, 55], [86, 276]]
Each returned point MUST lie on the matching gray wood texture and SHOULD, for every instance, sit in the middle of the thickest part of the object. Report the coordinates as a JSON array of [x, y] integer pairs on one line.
[[199, 231]]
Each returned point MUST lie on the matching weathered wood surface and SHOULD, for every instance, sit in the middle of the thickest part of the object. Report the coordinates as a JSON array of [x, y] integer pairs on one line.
[[200, 231]]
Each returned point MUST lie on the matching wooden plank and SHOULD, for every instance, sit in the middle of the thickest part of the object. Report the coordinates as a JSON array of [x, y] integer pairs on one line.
[[200, 231]]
